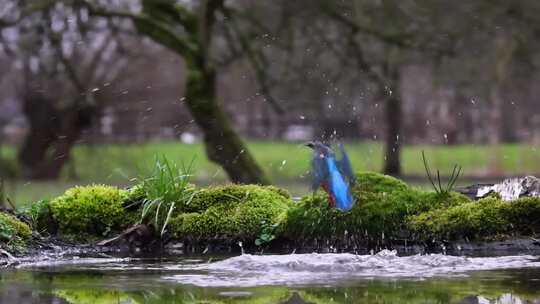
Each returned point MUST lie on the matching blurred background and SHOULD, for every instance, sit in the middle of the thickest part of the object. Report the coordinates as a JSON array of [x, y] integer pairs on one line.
[[92, 91]]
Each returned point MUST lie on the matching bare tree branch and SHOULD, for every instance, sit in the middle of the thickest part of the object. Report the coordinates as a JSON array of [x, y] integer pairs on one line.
[[400, 40], [257, 62], [155, 28], [33, 7]]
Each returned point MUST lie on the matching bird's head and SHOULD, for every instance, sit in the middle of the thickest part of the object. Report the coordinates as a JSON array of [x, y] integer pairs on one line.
[[319, 147]]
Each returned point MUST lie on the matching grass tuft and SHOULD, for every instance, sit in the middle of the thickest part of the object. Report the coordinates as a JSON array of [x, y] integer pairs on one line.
[[438, 186], [167, 186]]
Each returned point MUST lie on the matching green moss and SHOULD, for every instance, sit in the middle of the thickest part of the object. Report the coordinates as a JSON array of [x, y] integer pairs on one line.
[[41, 218], [93, 296], [90, 210], [470, 220], [425, 201], [486, 219], [13, 233], [311, 218], [231, 194], [385, 208], [524, 215], [133, 200], [134, 194], [279, 191], [379, 183], [382, 205], [231, 211]]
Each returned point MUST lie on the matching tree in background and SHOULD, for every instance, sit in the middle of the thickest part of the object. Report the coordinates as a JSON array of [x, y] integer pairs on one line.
[[189, 30], [496, 62], [378, 39], [346, 63], [63, 56]]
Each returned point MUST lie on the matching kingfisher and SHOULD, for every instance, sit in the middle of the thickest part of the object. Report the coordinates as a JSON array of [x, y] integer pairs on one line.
[[333, 175]]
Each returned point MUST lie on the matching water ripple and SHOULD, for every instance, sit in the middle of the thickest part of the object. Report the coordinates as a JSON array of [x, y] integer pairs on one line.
[[302, 269]]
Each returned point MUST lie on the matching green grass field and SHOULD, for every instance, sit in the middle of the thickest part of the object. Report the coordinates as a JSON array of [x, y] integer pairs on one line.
[[286, 163]]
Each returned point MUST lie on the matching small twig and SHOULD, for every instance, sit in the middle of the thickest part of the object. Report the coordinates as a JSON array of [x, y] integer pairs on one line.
[[451, 176], [11, 204], [454, 177], [439, 180], [456, 172], [428, 171]]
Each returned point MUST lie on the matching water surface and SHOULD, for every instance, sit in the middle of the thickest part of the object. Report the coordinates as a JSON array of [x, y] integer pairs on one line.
[[297, 278]]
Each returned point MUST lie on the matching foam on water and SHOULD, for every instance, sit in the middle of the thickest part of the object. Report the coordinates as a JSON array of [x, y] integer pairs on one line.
[[303, 269], [73, 261]]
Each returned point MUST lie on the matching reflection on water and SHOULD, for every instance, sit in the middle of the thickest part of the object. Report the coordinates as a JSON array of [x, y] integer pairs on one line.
[[149, 281]]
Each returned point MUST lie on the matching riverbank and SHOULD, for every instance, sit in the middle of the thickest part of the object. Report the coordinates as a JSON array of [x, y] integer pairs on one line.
[[168, 215]]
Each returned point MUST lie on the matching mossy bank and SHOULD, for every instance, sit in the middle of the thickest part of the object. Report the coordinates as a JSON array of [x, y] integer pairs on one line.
[[387, 213]]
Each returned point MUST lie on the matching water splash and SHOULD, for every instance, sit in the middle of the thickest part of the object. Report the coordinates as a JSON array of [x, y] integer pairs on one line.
[[328, 269], [513, 188]]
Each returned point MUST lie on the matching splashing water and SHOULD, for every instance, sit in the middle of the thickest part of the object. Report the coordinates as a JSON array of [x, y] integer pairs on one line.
[[513, 188], [327, 269]]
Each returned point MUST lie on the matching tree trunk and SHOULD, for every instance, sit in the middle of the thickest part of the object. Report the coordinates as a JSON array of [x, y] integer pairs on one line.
[[72, 125], [500, 113], [43, 125], [392, 162], [51, 137], [495, 117], [3, 204], [508, 123], [223, 145], [393, 115]]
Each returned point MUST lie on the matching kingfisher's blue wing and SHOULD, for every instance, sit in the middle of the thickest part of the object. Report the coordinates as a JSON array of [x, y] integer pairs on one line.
[[344, 165], [339, 187], [319, 171]]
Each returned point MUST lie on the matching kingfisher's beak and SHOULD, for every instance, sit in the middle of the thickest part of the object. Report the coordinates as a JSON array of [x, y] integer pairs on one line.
[[310, 144]]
